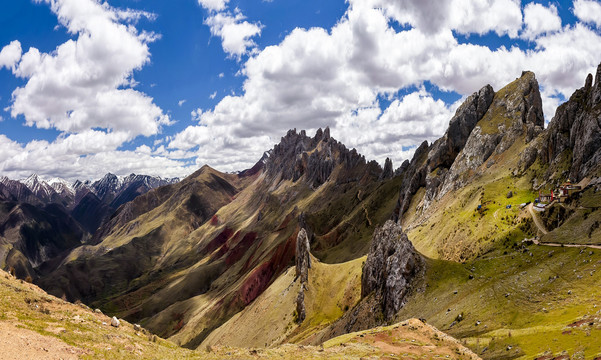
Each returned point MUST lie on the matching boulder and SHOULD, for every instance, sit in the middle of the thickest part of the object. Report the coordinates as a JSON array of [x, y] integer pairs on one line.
[[115, 322]]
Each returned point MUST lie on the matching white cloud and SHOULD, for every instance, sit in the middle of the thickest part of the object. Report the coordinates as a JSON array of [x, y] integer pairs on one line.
[[84, 89], [465, 16], [86, 83], [539, 19], [221, 75], [213, 5], [588, 11], [181, 102], [10, 55], [213, 95], [88, 155], [234, 31], [503, 17], [196, 114]]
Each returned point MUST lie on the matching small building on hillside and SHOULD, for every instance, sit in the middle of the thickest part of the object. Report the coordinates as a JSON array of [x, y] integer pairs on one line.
[[567, 189], [546, 198]]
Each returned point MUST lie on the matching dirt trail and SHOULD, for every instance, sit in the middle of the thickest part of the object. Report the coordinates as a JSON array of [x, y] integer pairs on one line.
[[542, 228], [537, 221], [536, 242], [19, 343]]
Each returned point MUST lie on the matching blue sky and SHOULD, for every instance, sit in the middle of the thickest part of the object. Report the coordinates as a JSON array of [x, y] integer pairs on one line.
[[163, 87]]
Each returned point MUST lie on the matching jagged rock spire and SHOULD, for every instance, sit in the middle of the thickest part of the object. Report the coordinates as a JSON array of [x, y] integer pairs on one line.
[[303, 264]]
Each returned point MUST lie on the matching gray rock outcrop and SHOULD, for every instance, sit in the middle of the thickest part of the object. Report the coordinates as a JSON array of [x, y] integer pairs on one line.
[[303, 258], [303, 264], [392, 263]]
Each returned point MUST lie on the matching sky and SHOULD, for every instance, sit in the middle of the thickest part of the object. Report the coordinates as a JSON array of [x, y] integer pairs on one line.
[[163, 87]]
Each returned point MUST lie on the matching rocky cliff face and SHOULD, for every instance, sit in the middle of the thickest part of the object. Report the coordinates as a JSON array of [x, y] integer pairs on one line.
[[430, 164], [391, 265], [515, 111], [572, 142]]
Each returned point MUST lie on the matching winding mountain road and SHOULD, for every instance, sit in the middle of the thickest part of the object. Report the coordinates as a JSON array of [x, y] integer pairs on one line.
[[542, 228]]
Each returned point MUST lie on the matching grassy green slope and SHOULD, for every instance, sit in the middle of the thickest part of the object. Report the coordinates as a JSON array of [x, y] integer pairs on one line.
[[524, 298]]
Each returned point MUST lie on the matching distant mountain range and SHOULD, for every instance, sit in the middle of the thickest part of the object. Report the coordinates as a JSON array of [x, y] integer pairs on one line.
[[111, 190], [40, 219]]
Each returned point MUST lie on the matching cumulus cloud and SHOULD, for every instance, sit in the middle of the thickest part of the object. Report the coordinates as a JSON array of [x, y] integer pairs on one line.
[[85, 89], [10, 55], [88, 155], [213, 5], [235, 32], [588, 11], [181, 102], [334, 77], [86, 83], [464, 16], [539, 19]]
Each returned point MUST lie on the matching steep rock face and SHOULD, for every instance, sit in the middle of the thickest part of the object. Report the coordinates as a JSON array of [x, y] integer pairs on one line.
[[90, 211], [445, 150], [574, 134], [391, 265], [516, 110], [16, 191], [430, 164]]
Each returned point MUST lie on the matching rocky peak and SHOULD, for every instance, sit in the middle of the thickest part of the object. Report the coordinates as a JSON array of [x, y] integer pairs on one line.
[[572, 141], [312, 159], [39, 188], [515, 112], [106, 187], [388, 171], [392, 264]]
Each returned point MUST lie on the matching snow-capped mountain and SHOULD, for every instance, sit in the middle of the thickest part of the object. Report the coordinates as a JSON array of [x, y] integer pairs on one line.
[[88, 202], [40, 188], [62, 186]]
